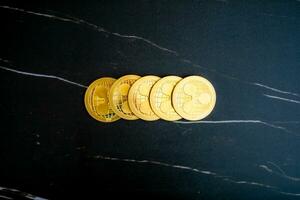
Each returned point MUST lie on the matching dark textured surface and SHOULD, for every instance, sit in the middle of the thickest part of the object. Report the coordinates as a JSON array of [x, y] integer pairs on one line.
[[248, 148]]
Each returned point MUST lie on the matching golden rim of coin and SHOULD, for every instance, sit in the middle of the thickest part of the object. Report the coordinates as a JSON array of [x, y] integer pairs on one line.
[[118, 96], [161, 98], [138, 98], [194, 98], [96, 100]]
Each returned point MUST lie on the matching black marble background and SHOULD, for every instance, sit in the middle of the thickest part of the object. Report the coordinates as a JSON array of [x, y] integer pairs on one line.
[[248, 148]]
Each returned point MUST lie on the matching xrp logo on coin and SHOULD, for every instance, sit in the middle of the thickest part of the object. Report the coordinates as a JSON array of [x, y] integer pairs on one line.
[[150, 98]]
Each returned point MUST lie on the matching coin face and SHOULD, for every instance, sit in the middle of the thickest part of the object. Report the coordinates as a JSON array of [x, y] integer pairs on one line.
[[194, 98], [138, 98], [96, 100], [118, 96], [161, 98]]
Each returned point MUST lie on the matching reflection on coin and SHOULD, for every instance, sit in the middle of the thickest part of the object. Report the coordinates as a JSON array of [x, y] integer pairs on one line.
[[138, 98], [194, 98], [96, 100], [118, 96], [161, 98]]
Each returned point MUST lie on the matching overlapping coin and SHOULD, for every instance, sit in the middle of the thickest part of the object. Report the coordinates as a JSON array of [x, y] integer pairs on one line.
[[138, 98], [161, 98], [149, 98], [194, 98], [96, 100], [118, 96]]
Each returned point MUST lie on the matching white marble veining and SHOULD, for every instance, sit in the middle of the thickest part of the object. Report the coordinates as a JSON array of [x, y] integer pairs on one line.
[[19, 193], [279, 171], [269, 167], [75, 20], [42, 76], [281, 98], [238, 121], [196, 170]]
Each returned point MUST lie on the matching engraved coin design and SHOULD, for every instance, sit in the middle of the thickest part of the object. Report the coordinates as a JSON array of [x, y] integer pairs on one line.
[[118, 96], [194, 98], [161, 98], [96, 100], [138, 98]]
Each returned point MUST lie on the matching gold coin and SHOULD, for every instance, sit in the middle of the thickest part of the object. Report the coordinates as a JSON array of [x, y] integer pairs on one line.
[[194, 98], [118, 96], [96, 100], [161, 98], [138, 98]]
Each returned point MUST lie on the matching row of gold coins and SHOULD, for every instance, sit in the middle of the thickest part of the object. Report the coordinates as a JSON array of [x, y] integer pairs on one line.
[[150, 98]]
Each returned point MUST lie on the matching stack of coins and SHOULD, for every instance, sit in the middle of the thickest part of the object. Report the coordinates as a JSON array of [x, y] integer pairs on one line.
[[150, 98]]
